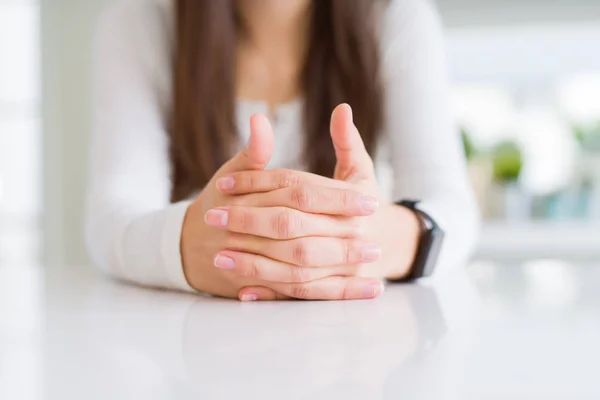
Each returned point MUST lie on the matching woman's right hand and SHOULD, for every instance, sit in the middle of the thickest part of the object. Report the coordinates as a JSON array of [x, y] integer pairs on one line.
[[200, 242]]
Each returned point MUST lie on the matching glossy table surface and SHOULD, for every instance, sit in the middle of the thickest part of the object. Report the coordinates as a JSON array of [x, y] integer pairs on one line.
[[491, 331]]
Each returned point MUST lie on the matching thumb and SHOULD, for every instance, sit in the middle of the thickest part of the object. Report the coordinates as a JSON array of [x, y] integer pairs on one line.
[[257, 152], [353, 160]]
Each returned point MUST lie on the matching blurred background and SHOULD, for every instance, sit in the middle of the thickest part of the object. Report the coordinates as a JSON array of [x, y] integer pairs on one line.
[[526, 92]]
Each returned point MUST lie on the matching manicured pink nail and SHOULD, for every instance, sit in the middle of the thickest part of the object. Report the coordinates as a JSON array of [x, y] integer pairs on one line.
[[224, 262], [371, 253], [372, 290], [217, 217], [249, 297], [225, 184], [368, 203]]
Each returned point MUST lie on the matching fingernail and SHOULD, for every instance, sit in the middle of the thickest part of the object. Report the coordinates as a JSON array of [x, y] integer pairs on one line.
[[368, 203], [249, 297], [372, 290], [218, 218], [224, 262], [350, 111], [225, 184], [371, 253]]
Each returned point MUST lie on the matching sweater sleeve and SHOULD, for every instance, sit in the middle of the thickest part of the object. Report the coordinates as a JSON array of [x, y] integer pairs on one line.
[[425, 148], [132, 229]]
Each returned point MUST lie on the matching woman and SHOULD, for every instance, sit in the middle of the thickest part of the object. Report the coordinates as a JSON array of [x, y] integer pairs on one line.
[[181, 85]]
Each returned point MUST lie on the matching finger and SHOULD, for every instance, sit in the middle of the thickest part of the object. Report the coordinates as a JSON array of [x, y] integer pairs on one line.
[[259, 267], [310, 251], [331, 288], [246, 182], [257, 152], [260, 293], [280, 222], [353, 160], [314, 199]]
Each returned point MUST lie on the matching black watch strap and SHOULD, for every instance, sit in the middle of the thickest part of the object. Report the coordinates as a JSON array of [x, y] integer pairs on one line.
[[430, 243]]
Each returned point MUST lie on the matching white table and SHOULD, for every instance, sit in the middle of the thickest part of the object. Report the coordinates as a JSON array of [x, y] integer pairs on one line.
[[515, 331]]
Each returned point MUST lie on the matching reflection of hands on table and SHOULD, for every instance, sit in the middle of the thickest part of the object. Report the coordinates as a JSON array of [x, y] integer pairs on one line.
[[293, 350]]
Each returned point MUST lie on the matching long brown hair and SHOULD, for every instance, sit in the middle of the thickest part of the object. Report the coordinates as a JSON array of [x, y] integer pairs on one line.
[[342, 66]]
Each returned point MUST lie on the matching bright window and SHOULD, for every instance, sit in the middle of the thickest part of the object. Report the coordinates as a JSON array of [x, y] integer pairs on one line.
[[20, 138]]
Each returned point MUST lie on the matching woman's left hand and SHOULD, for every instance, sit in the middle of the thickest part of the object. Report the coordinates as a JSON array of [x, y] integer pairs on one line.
[[394, 229]]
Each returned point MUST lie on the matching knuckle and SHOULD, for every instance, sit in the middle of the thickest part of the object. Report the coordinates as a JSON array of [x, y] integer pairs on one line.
[[347, 251], [301, 254], [344, 199], [252, 269], [250, 182], [284, 224], [301, 197], [345, 293], [243, 220], [287, 178], [243, 181], [300, 291]]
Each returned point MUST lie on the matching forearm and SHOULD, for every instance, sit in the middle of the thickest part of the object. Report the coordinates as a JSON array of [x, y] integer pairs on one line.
[[138, 247]]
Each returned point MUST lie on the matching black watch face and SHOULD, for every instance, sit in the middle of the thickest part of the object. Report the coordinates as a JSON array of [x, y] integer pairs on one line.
[[430, 245], [432, 252], [409, 203]]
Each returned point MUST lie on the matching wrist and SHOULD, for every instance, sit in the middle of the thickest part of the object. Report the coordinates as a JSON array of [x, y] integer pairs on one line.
[[404, 241], [187, 234]]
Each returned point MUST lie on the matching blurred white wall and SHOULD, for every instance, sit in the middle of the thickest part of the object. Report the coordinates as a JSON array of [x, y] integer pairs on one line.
[[20, 147], [461, 13], [527, 55], [67, 30]]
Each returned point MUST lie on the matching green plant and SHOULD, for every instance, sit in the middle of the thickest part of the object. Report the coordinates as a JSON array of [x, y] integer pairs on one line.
[[507, 161], [468, 145], [588, 136]]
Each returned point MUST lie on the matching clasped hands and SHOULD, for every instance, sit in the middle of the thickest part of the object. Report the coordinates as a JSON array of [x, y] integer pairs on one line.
[[259, 234]]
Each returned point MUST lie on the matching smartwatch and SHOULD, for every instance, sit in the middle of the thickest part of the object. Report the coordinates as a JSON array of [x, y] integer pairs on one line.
[[430, 242]]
